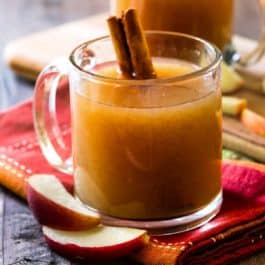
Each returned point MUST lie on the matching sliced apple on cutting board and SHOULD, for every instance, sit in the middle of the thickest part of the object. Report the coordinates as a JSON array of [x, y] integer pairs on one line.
[[253, 121], [53, 206], [231, 81], [98, 243], [233, 106]]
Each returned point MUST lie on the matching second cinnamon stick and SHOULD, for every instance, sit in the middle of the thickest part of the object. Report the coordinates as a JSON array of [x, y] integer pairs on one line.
[[120, 46], [136, 41]]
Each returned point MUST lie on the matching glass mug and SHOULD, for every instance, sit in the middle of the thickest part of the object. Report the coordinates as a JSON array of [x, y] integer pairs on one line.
[[207, 19], [146, 153]]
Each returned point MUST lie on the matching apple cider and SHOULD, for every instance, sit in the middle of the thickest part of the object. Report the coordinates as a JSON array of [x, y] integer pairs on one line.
[[144, 151], [208, 19]]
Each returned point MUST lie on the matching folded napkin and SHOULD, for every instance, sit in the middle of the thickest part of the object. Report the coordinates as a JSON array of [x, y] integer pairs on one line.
[[239, 230]]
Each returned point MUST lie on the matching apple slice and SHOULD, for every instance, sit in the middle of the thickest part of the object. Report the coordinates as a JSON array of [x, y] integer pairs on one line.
[[231, 81], [53, 206], [233, 105], [98, 243], [253, 121]]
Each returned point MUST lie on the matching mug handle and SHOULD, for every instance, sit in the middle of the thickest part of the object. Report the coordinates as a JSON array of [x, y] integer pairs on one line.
[[231, 56], [51, 79]]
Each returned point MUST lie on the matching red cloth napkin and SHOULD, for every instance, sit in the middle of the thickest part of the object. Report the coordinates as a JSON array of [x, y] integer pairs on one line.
[[238, 231], [20, 154]]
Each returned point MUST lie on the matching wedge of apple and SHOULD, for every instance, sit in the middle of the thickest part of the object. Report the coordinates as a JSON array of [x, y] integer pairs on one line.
[[53, 206], [253, 121], [98, 243], [231, 81], [233, 105]]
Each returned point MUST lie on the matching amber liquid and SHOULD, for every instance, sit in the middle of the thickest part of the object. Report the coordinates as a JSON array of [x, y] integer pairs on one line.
[[146, 154], [208, 19]]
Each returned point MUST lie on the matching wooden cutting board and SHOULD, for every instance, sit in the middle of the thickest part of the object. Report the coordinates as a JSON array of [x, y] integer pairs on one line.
[[27, 57]]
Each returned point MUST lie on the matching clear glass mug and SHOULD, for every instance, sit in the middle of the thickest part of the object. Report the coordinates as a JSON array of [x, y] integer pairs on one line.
[[207, 19], [139, 147]]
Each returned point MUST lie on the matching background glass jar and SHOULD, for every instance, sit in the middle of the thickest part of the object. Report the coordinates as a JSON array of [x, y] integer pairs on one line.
[[208, 19]]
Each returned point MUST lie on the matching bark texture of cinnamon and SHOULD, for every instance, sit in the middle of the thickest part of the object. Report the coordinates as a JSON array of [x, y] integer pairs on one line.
[[130, 46]]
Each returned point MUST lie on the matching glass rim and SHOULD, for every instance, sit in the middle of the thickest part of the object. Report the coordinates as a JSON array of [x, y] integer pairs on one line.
[[201, 71]]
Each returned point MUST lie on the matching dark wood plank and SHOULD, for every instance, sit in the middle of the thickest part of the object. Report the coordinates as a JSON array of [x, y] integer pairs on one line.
[[258, 259], [21, 17], [22, 239], [23, 242]]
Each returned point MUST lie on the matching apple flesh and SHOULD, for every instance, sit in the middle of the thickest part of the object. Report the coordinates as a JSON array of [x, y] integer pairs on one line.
[[53, 206], [98, 243], [253, 121], [233, 105], [231, 81]]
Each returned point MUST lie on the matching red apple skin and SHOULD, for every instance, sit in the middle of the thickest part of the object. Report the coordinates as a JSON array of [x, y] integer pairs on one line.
[[253, 121], [245, 163], [75, 252], [56, 216], [240, 174]]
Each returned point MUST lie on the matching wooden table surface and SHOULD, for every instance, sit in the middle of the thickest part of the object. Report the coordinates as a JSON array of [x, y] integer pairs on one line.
[[21, 241]]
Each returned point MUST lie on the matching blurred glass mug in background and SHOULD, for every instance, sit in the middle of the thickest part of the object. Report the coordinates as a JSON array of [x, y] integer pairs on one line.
[[209, 19]]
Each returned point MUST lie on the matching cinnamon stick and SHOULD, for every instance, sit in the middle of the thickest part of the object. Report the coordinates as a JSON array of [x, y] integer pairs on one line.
[[120, 46], [131, 46], [140, 56]]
